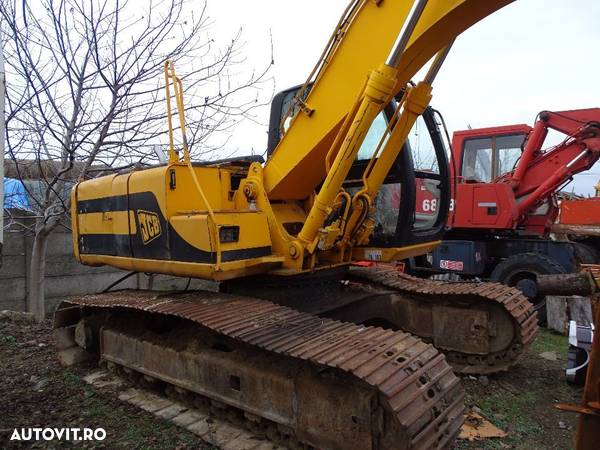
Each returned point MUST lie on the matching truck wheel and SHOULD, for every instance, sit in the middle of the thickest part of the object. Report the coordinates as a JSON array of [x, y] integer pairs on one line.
[[521, 271], [586, 253]]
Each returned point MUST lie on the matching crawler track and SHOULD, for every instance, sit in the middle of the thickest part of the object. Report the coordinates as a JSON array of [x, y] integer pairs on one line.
[[465, 296], [332, 384]]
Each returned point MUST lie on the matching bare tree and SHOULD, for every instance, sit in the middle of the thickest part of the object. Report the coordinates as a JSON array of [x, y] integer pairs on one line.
[[85, 89]]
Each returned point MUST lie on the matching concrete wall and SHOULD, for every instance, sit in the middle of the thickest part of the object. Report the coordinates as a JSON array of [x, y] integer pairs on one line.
[[64, 275]]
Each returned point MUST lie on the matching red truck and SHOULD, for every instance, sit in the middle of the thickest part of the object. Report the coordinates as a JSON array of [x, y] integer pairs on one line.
[[504, 205]]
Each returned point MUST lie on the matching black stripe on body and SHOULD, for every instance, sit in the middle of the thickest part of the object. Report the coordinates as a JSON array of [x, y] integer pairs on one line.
[[106, 204], [169, 246]]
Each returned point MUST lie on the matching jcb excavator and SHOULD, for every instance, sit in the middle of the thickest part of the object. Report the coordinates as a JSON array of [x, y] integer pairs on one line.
[[296, 341]]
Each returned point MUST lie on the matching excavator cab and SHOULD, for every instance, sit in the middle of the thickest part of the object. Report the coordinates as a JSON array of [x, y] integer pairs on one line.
[[413, 204]]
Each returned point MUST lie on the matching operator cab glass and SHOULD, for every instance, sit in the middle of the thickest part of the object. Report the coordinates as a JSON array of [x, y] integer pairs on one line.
[[426, 164], [409, 206], [283, 111], [485, 159], [412, 205], [289, 114], [371, 141]]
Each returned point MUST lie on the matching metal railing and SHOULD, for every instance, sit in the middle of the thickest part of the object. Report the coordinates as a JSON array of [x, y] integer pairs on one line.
[[171, 79]]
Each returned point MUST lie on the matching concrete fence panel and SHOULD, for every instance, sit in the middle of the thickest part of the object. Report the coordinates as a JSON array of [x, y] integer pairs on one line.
[[66, 277]]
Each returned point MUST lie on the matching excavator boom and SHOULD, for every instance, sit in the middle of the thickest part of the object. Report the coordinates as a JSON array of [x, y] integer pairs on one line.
[[578, 152], [364, 40], [537, 176]]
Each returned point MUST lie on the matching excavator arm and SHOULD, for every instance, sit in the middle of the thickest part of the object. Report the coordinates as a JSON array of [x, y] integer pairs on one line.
[[300, 163], [364, 41]]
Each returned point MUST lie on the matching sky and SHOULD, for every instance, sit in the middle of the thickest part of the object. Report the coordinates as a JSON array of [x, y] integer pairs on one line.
[[533, 55]]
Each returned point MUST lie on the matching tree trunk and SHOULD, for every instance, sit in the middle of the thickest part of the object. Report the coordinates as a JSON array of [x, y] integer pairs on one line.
[[36, 299]]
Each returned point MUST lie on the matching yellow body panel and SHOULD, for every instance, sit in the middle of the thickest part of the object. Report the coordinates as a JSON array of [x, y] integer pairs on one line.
[[111, 222], [227, 270], [151, 221], [252, 225]]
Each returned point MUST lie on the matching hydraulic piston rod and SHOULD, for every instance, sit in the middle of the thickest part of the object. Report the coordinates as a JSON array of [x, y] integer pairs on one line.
[[406, 32]]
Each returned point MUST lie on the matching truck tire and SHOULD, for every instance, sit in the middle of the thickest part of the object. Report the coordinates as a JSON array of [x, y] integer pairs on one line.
[[586, 253], [521, 271]]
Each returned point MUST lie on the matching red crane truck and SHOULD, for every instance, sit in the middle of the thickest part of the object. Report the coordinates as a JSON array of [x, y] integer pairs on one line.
[[504, 203]]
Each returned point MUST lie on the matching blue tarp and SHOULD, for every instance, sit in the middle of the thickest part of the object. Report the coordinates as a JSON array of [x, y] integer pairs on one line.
[[15, 195]]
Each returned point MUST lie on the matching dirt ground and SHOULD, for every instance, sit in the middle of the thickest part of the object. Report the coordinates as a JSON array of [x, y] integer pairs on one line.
[[521, 401], [35, 391]]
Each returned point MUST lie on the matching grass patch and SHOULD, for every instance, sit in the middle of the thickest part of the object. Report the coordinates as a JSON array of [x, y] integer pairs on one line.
[[549, 341], [98, 411], [145, 425], [71, 378], [8, 339], [511, 413]]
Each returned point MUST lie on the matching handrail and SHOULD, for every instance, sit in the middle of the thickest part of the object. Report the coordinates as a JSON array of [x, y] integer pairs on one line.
[[172, 78]]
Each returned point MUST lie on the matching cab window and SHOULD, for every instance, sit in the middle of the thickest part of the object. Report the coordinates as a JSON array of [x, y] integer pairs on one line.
[[508, 152], [422, 148], [285, 106], [477, 160], [373, 137], [485, 159]]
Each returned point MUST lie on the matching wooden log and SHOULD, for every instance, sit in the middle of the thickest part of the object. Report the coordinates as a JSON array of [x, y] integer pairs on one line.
[[561, 309], [580, 283]]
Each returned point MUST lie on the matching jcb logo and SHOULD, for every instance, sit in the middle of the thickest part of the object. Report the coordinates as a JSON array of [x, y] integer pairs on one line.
[[149, 224]]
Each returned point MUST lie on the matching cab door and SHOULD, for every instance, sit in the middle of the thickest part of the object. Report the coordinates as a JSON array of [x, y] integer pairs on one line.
[[412, 205]]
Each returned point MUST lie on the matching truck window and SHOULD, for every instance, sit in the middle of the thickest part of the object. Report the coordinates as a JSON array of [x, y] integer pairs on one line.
[[477, 160], [508, 152]]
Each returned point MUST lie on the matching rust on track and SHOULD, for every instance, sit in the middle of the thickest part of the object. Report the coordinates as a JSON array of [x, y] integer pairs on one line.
[[511, 300], [413, 381]]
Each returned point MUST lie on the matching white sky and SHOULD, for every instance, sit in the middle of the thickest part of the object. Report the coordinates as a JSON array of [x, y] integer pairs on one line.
[[530, 56]]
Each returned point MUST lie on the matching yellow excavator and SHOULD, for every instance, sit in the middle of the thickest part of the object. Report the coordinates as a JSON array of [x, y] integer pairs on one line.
[[299, 341]]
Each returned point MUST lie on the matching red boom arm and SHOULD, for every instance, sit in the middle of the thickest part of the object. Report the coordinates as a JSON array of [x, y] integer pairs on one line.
[[538, 175]]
